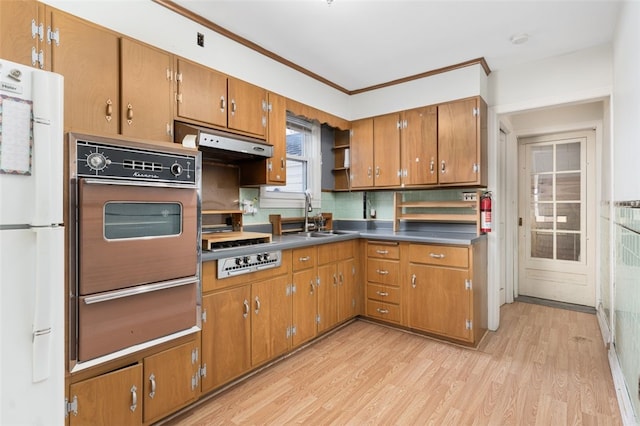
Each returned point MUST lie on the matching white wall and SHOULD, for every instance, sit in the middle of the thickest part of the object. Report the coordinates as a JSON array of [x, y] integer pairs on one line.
[[626, 103], [582, 75]]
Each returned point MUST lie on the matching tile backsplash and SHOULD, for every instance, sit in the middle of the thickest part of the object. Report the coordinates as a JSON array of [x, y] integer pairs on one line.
[[627, 296]]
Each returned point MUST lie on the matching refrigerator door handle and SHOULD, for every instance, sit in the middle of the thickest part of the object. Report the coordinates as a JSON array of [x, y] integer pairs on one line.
[[48, 269]]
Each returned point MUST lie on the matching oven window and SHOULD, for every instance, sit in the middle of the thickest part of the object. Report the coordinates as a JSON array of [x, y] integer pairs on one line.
[[124, 220]]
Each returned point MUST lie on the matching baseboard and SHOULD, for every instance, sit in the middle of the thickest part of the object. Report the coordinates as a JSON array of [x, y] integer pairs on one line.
[[622, 394], [604, 327]]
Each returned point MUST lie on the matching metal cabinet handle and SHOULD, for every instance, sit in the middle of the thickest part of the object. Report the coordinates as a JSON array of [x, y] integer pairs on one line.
[[310, 286], [443, 167], [432, 166], [134, 398], [382, 311], [129, 114], [382, 293], [246, 308], [152, 380], [437, 256], [382, 251], [377, 171], [304, 259], [369, 172], [413, 280], [382, 271], [223, 104], [233, 106], [257, 305], [109, 110], [341, 278]]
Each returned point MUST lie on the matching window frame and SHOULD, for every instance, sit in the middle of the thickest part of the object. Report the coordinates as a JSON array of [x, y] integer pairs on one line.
[[274, 199]]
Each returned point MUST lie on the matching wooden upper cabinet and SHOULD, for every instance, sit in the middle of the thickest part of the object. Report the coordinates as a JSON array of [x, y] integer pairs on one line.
[[147, 91], [462, 142], [277, 136], [386, 150], [24, 33], [362, 153], [201, 93], [248, 108], [419, 146], [88, 58]]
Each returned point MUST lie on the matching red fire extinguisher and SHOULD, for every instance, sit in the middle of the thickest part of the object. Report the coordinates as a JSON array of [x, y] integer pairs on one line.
[[485, 212]]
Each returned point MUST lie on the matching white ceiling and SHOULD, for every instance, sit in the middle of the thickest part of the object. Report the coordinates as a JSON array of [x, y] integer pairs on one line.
[[356, 44]]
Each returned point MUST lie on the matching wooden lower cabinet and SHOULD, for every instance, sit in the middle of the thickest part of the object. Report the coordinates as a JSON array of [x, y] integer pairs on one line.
[[337, 298], [439, 302], [270, 319], [226, 336], [305, 306], [171, 380], [447, 291], [114, 398], [383, 292]]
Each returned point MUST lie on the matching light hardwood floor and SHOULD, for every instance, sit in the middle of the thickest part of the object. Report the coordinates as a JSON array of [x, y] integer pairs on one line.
[[544, 366]]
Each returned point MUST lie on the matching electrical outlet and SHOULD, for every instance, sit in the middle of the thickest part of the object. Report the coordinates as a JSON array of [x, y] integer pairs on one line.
[[200, 39], [469, 196]]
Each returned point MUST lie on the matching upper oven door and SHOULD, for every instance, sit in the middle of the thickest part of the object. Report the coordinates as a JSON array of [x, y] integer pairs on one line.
[[130, 234]]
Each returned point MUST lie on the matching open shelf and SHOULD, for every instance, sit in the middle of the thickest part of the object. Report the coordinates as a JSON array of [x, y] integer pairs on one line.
[[405, 210]]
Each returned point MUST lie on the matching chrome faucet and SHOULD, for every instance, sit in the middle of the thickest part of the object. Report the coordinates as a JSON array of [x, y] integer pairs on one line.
[[307, 209]]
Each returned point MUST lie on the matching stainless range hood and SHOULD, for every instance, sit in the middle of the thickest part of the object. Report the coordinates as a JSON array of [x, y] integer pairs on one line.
[[222, 146]]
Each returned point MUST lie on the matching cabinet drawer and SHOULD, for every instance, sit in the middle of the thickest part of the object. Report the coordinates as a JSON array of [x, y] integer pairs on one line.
[[383, 250], [334, 252], [383, 293], [454, 256], [383, 311], [383, 271], [303, 258]]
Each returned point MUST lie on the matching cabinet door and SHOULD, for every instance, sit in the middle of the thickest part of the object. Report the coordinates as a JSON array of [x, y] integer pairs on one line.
[[226, 336], [327, 296], [110, 399], [458, 142], [247, 108], [171, 380], [202, 93], [362, 153], [277, 165], [23, 27], [305, 305], [439, 301], [419, 148], [88, 58], [347, 290], [147, 102], [386, 146], [271, 316]]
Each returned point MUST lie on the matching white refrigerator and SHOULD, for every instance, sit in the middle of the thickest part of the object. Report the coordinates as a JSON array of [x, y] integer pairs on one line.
[[32, 285]]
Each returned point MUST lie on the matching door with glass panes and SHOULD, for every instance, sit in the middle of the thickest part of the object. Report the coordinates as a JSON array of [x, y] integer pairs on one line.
[[557, 217]]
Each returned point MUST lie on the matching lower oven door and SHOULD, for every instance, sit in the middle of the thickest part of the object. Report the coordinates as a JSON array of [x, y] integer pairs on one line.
[[121, 319], [132, 234]]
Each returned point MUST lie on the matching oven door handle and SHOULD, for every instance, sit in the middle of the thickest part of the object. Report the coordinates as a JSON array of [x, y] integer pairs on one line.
[[142, 289], [137, 183]]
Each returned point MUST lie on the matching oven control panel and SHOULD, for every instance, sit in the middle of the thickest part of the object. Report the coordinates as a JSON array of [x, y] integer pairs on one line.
[[119, 162], [245, 264]]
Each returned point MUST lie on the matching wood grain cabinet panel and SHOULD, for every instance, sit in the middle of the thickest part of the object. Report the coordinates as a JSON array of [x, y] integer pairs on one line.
[[362, 153], [226, 336], [88, 57], [386, 150], [201, 93], [248, 108], [305, 305], [419, 146], [109, 399], [171, 380], [19, 42], [271, 313], [147, 91]]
